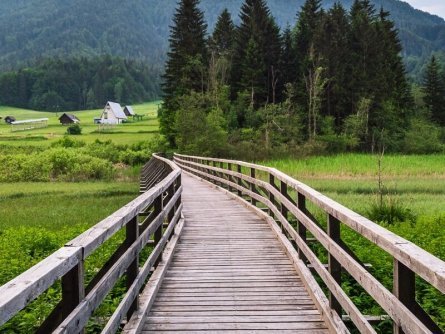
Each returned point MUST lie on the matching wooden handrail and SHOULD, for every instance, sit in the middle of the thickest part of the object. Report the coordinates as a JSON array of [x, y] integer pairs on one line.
[[159, 204], [409, 259]]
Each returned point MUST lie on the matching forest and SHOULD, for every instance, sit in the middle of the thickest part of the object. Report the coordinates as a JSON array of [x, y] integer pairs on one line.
[[334, 81], [57, 84], [139, 29]]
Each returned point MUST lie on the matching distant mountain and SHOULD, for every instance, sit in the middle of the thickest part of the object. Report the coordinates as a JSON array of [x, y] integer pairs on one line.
[[33, 29]]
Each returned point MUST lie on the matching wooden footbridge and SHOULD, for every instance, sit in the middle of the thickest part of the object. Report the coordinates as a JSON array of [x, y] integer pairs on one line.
[[214, 246]]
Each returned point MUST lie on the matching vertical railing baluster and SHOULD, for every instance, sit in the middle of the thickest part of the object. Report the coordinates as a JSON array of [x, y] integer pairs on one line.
[[271, 196], [132, 234], [404, 288], [158, 207], [252, 185], [333, 265], [73, 289], [284, 210], [229, 167], [238, 169], [301, 229]]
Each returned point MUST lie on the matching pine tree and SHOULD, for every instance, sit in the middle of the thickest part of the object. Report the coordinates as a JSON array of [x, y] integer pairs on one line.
[[186, 63], [307, 46], [364, 42], [335, 52], [223, 38], [288, 65], [434, 89], [259, 31]]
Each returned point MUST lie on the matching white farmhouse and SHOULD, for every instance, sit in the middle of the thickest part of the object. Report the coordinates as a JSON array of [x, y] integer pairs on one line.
[[112, 114]]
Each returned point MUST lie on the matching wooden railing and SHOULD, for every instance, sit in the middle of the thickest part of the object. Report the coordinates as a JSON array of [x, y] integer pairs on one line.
[[288, 202], [149, 221]]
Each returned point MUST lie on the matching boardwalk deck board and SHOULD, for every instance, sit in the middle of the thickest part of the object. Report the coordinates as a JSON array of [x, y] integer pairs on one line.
[[229, 273]]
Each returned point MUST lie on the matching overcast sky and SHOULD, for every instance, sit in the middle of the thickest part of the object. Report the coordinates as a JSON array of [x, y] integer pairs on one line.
[[431, 6]]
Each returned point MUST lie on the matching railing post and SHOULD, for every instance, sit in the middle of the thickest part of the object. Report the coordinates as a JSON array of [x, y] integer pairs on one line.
[[158, 206], [132, 234], [221, 165], [252, 185], [334, 265], [229, 167], [284, 210], [73, 289], [404, 288], [301, 229], [238, 169], [271, 197]]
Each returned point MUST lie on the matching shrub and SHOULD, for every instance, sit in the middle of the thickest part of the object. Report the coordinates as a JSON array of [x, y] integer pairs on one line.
[[390, 212], [74, 129], [422, 137]]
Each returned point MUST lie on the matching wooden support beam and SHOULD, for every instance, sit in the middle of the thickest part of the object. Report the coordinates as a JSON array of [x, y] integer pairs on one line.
[[132, 234], [334, 265]]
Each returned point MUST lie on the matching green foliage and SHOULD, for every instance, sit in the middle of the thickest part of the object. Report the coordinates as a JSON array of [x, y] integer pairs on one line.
[[422, 137], [74, 129], [434, 90], [70, 160], [390, 212]]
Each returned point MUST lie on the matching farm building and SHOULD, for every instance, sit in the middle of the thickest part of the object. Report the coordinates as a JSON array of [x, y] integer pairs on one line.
[[128, 110], [67, 119], [9, 119], [29, 124], [113, 114]]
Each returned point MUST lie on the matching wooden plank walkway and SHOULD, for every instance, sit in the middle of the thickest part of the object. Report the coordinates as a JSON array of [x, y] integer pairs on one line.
[[229, 274]]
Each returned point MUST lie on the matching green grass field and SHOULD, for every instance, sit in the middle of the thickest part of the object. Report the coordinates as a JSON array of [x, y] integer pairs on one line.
[[414, 182], [128, 133]]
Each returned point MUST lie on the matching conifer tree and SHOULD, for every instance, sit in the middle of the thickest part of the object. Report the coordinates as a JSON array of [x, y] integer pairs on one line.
[[434, 89], [335, 52], [288, 66], [186, 63], [307, 33], [223, 38], [257, 31]]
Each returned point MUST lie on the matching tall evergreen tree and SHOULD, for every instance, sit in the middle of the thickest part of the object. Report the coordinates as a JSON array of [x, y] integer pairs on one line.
[[186, 63], [335, 52], [434, 89], [223, 37], [257, 31], [364, 42], [288, 66], [307, 46]]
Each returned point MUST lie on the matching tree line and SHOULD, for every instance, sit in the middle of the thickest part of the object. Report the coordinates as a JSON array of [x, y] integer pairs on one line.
[[333, 81], [79, 83]]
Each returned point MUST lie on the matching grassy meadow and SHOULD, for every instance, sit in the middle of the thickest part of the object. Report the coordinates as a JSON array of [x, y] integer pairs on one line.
[[128, 133], [36, 218], [415, 185]]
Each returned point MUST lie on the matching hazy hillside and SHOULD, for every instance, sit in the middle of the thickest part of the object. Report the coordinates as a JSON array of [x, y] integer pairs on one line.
[[31, 29]]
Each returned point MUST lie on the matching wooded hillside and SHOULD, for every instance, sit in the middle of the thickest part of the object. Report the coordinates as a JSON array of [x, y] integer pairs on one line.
[[139, 28]]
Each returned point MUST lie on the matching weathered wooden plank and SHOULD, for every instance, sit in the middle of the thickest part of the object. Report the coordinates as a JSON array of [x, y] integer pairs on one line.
[[16, 294], [136, 322], [238, 326]]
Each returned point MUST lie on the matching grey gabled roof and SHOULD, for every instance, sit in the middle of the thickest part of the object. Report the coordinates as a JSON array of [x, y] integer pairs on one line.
[[130, 110], [117, 110]]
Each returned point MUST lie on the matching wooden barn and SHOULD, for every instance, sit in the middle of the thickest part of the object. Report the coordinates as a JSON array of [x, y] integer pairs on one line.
[[9, 119], [113, 114], [67, 119], [128, 110]]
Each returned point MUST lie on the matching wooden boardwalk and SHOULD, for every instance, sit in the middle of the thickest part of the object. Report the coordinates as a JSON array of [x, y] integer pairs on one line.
[[229, 273]]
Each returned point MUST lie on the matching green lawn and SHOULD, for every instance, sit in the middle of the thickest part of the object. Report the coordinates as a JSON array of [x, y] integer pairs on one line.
[[128, 133]]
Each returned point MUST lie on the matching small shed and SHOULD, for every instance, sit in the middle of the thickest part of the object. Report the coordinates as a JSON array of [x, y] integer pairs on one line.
[[113, 114], [128, 110], [67, 119], [9, 119]]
